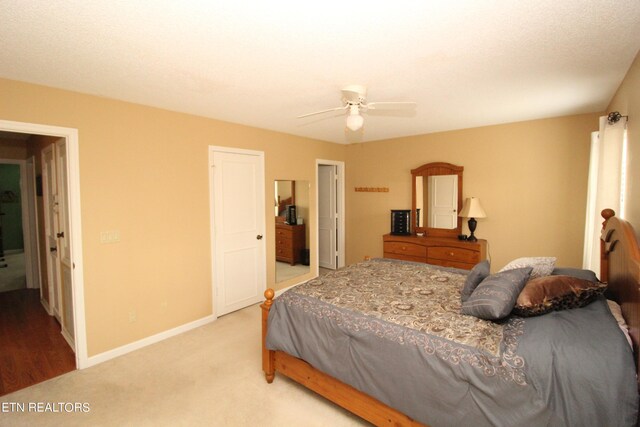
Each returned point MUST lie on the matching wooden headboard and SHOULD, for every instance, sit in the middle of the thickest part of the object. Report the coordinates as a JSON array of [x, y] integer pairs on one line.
[[620, 268]]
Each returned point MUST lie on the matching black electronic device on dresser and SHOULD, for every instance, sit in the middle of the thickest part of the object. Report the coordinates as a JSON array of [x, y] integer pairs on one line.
[[400, 221], [291, 216]]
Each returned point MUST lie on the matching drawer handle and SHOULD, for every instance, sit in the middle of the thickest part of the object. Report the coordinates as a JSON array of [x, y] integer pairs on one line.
[[404, 248], [451, 254]]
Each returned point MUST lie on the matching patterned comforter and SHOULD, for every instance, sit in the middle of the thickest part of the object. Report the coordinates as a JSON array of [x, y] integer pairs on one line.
[[394, 330]]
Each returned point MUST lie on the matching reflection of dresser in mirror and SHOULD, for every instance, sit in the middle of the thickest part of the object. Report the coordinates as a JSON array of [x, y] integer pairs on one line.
[[290, 242]]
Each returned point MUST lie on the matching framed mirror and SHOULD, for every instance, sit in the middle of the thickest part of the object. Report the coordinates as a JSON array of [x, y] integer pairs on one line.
[[291, 209], [437, 199]]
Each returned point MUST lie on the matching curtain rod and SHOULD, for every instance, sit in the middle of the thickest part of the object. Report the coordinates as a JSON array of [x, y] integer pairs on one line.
[[614, 117]]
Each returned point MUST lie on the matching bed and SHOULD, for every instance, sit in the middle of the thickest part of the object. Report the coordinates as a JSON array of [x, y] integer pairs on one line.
[[367, 344]]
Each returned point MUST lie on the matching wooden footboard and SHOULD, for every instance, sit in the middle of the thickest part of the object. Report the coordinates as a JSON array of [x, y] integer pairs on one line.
[[268, 356], [341, 394]]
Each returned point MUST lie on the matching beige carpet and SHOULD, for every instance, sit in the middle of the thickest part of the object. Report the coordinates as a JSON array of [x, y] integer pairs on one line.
[[285, 271], [210, 376]]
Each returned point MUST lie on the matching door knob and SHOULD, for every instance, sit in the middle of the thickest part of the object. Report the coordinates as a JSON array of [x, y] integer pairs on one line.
[[259, 237]]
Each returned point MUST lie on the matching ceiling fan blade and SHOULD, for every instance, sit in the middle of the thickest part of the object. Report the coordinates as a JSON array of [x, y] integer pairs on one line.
[[391, 105], [324, 111]]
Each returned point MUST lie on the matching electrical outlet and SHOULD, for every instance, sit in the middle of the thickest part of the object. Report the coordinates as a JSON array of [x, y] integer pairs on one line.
[[133, 316]]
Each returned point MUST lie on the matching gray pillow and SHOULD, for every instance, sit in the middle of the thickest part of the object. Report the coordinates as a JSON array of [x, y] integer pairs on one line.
[[477, 274], [496, 295]]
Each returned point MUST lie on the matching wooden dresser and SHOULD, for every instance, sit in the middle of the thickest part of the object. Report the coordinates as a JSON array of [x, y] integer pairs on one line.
[[290, 241], [444, 251]]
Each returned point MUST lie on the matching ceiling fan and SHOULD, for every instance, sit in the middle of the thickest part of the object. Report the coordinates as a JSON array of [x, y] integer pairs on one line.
[[354, 99]]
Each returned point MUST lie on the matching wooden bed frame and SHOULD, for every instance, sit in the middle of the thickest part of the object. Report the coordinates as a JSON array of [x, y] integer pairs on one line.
[[620, 268]]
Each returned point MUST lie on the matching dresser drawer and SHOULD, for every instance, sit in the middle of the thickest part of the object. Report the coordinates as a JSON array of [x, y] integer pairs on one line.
[[459, 255], [283, 242], [444, 251], [449, 263], [283, 233], [284, 252], [404, 257], [407, 249]]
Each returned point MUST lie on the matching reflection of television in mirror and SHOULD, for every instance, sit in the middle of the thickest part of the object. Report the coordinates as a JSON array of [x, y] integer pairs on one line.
[[291, 216]]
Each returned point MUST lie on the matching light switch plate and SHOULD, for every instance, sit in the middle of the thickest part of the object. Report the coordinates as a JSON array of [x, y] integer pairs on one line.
[[109, 236]]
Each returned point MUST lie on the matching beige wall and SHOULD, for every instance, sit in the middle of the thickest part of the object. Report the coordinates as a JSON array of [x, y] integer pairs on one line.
[[530, 176], [627, 102], [144, 172]]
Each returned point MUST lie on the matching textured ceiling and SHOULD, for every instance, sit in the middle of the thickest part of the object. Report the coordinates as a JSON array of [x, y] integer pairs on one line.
[[259, 63]]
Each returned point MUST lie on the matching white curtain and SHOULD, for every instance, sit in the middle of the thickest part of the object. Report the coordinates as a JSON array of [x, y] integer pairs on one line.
[[606, 170]]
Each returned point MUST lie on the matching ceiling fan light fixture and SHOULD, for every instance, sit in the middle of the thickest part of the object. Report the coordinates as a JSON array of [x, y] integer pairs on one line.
[[354, 119]]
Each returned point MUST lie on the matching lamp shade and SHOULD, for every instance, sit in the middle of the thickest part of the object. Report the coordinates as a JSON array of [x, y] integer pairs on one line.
[[472, 209]]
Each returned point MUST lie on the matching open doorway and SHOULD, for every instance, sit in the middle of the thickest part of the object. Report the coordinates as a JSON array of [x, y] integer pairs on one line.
[[12, 240], [37, 345], [330, 213], [19, 266]]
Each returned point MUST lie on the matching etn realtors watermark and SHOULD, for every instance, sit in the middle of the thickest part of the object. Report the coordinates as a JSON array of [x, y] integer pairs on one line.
[[42, 407]]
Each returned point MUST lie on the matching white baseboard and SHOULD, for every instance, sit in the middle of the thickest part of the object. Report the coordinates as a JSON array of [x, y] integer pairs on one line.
[[127, 348], [69, 339], [45, 304]]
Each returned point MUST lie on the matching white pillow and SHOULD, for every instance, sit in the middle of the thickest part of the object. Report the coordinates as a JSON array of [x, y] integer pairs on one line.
[[542, 266], [617, 313]]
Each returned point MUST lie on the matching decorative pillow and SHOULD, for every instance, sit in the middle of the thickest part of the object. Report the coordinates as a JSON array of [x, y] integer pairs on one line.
[[495, 296], [575, 272], [477, 274], [542, 266], [549, 293]]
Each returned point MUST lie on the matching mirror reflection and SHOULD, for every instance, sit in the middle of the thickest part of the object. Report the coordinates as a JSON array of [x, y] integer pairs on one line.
[[437, 201], [437, 198], [291, 209]]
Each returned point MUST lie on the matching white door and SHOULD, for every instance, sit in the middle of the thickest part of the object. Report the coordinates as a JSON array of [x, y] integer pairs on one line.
[[50, 196], [443, 201], [327, 224], [238, 207], [63, 239]]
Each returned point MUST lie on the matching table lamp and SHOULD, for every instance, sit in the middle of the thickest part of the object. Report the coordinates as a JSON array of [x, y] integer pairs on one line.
[[472, 209]]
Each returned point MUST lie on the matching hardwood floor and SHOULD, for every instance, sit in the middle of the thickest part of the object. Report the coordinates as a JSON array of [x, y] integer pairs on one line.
[[32, 349]]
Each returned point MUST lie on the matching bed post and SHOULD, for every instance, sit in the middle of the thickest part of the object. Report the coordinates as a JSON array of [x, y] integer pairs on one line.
[[268, 356], [604, 261]]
